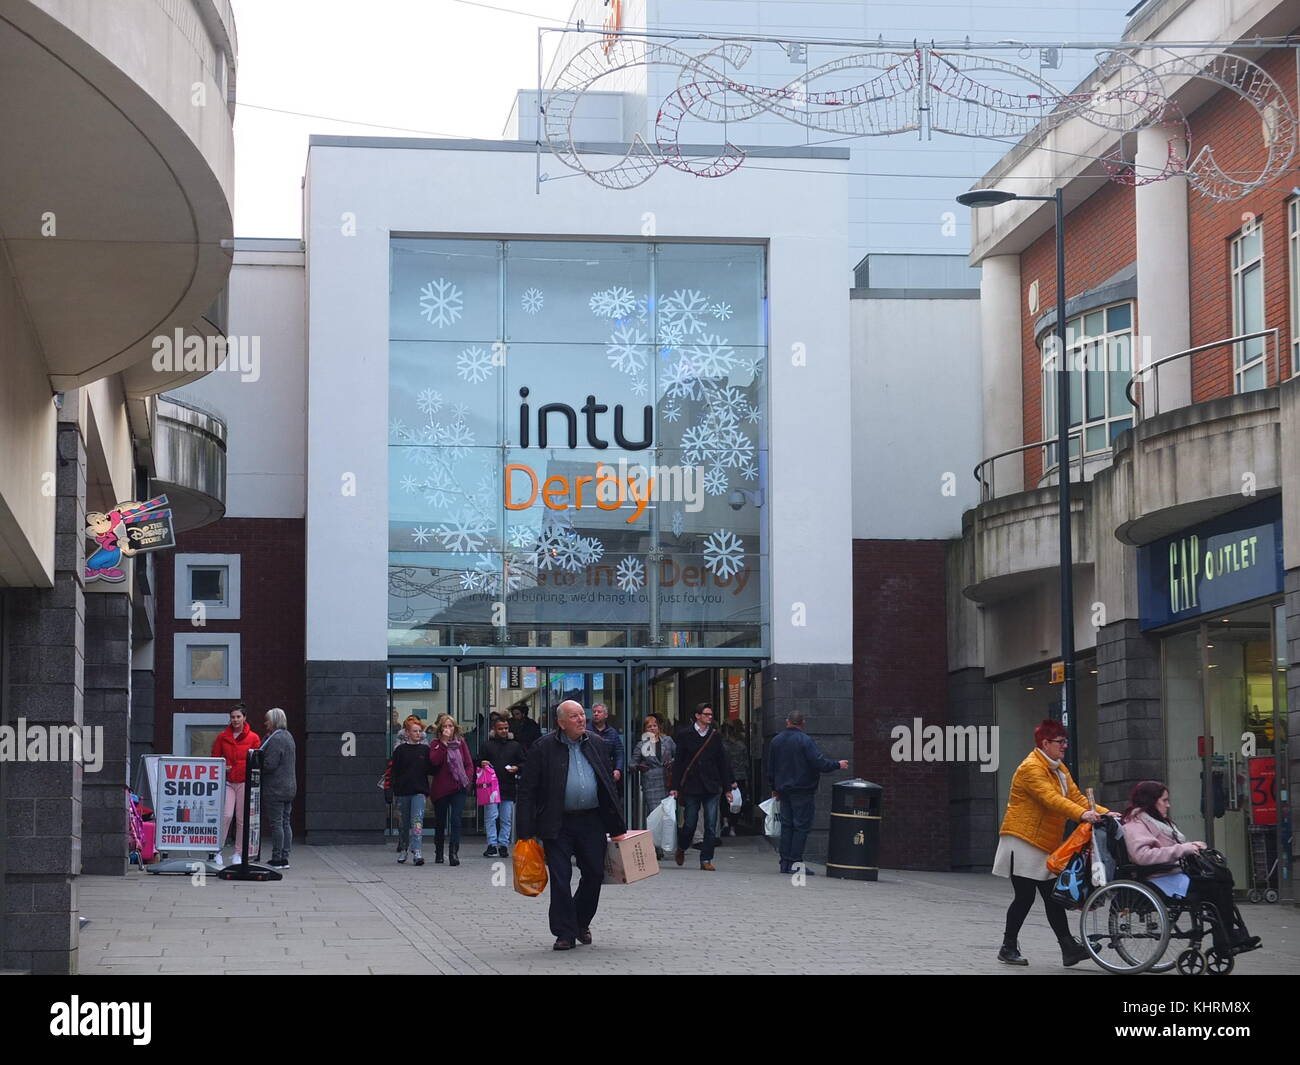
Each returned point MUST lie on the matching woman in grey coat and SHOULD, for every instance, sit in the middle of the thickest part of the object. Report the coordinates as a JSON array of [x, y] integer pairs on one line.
[[279, 783], [650, 756]]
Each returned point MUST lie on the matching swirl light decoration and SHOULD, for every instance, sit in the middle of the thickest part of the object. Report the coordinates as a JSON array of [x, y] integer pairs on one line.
[[943, 90]]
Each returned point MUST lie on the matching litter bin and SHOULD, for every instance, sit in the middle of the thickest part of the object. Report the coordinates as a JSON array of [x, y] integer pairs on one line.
[[854, 844]]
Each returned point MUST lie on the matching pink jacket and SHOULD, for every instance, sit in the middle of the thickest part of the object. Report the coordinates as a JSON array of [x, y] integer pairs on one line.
[[1148, 842]]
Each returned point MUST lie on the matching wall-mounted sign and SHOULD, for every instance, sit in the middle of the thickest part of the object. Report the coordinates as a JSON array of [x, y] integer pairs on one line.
[[612, 25], [128, 529], [1211, 567]]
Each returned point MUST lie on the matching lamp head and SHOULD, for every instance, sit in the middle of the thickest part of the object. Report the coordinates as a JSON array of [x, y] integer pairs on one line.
[[977, 198]]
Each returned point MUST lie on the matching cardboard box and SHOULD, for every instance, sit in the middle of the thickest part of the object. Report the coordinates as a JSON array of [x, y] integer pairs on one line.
[[630, 858]]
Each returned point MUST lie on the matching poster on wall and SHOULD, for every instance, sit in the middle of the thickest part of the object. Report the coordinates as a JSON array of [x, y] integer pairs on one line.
[[127, 529], [188, 797], [1263, 791]]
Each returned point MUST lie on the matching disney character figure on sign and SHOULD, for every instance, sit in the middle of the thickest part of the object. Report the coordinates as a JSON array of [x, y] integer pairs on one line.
[[107, 530]]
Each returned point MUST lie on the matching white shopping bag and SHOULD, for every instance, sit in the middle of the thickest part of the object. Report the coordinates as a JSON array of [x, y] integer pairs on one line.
[[662, 824], [736, 800], [772, 810]]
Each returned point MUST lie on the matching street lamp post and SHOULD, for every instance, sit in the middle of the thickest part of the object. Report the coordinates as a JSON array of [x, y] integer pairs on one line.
[[975, 199]]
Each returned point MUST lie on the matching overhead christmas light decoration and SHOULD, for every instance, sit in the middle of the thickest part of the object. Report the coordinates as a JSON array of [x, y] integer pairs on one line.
[[925, 89]]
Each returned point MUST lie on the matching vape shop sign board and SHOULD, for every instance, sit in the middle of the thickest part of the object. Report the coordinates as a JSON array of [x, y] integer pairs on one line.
[[187, 803]]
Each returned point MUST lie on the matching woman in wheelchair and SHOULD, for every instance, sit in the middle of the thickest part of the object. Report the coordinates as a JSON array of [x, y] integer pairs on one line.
[[1152, 840]]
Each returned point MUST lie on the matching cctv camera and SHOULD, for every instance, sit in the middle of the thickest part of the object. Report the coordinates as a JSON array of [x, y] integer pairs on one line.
[[736, 499]]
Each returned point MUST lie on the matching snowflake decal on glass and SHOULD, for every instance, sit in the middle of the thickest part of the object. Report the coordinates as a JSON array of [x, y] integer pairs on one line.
[[398, 431], [698, 442], [588, 550], [471, 580], [630, 574], [410, 484], [672, 334], [749, 472], [521, 536], [457, 438], [441, 302], [685, 308], [421, 535], [724, 553], [679, 523], [552, 548], [680, 380], [715, 481], [712, 356], [429, 401], [640, 386], [466, 534], [627, 350], [474, 365], [721, 311], [532, 300], [615, 302], [671, 411]]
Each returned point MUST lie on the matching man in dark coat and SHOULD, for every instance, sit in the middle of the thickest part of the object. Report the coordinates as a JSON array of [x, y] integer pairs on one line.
[[526, 730], [700, 772], [793, 765], [506, 757], [568, 800]]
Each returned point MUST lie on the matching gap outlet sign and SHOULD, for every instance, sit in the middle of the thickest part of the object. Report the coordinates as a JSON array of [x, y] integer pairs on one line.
[[577, 444], [1210, 567]]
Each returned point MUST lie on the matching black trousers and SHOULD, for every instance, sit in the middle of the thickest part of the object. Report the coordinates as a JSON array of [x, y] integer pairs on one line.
[[581, 834], [1023, 902]]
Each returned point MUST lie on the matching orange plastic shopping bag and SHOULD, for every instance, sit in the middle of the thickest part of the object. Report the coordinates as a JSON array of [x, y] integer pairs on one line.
[[530, 867], [1060, 858]]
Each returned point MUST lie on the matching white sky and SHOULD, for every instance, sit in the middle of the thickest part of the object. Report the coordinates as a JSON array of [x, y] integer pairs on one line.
[[435, 67]]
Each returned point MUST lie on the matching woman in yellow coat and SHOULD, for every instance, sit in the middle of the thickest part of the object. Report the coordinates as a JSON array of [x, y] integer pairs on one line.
[[1043, 797]]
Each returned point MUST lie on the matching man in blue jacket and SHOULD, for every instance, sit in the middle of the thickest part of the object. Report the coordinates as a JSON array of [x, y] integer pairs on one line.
[[793, 762]]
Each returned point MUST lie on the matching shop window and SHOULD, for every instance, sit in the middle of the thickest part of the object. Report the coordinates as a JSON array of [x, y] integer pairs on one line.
[[206, 666], [1249, 358], [1099, 347], [210, 582]]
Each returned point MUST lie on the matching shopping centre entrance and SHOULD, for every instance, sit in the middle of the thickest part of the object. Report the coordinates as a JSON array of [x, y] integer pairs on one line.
[[471, 692]]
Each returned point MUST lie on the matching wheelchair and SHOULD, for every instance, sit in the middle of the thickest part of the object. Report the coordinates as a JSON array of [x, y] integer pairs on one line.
[[1128, 925]]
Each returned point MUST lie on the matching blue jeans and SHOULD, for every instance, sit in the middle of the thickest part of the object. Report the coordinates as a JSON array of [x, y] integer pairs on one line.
[[281, 830], [796, 822], [690, 807], [410, 808], [500, 814]]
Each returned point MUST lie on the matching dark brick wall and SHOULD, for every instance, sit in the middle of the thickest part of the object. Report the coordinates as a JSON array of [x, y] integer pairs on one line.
[[900, 672], [142, 722], [972, 794], [1130, 726], [342, 804], [107, 707], [45, 633], [824, 692], [272, 627]]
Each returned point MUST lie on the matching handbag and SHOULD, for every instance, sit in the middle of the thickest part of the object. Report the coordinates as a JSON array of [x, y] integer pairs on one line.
[[1207, 865], [1071, 888]]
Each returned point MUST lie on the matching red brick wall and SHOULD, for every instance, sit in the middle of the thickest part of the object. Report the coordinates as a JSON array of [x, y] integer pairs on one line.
[[1100, 240], [900, 667], [1232, 127], [272, 625]]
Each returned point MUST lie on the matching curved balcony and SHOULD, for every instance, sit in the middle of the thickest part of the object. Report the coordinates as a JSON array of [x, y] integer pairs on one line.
[[189, 451], [115, 202]]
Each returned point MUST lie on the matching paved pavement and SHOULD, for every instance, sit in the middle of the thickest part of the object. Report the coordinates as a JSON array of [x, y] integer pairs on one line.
[[355, 910]]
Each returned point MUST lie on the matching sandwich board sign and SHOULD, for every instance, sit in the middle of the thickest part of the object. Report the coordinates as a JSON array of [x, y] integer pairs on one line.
[[188, 795]]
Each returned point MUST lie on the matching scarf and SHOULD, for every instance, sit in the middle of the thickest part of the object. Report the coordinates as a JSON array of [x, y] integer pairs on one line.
[[457, 763], [1162, 828], [1056, 768]]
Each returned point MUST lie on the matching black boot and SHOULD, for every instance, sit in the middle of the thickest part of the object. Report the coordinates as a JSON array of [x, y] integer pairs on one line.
[[1010, 953], [437, 852], [1073, 952], [453, 855]]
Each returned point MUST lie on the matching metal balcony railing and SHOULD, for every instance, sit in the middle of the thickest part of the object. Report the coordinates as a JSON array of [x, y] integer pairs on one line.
[[988, 487], [1137, 378]]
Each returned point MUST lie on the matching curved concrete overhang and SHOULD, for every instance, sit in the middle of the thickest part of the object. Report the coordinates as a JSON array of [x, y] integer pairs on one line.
[[189, 451], [115, 196], [1015, 541], [1192, 464]]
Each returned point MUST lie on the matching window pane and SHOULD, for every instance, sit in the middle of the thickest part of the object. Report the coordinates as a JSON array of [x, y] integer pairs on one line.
[[1249, 244], [1120, 317], [1253, 378], [1049, 404], [208, 665], [1094, 324], [1096, 437], [1076, 398], [1119, 362], [208, 585], [1096, 393], [1117, 427]]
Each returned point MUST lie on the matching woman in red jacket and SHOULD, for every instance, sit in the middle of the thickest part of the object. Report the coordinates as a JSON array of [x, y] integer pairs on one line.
[[233, 744], [453, 778]]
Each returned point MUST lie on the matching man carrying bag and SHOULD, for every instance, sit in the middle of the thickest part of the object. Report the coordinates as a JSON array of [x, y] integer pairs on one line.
[[699, 773]]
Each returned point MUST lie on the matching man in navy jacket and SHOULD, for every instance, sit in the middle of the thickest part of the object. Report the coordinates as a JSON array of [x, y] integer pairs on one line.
[[793, 763]]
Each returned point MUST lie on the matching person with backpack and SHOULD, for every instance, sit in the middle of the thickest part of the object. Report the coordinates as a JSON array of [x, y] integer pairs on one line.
[[699, 774]]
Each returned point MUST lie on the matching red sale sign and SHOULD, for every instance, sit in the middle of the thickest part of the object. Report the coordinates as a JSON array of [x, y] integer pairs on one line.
[[1263, 791]]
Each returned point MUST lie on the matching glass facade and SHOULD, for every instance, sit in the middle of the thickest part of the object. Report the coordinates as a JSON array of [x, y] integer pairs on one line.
[[577, 446]]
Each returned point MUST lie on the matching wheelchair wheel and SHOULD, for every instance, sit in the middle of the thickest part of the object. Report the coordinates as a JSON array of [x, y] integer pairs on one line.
[[1217, 964], [1253, 896], [1191, 962], [1270, 895], [1125, 927]]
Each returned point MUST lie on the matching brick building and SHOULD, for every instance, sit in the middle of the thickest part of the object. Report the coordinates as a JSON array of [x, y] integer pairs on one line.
[[1186, 506]]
